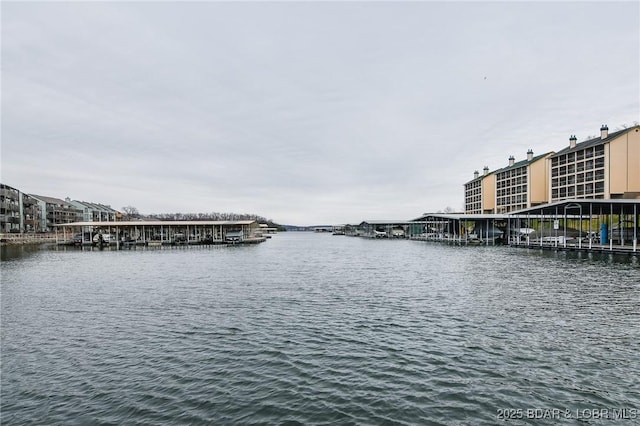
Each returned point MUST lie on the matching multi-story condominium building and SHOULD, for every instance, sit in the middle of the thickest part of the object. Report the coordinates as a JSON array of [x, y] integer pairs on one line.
[[480, 193], [603, 167], [519, 185], [94, 212], [9, 209], [18, 211], [523, 184], [55, 211]]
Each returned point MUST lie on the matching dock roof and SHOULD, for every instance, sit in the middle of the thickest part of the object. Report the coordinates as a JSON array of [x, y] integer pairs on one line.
[[161, 223], [598, 206], [460, 216]]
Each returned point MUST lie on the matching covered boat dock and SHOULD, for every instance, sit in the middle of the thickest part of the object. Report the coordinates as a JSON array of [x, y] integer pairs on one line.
[[128, 233], [460, 228], [583, 224], [586, 225]]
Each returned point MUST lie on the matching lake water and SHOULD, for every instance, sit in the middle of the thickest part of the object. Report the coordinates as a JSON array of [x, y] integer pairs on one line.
[[318, 329]]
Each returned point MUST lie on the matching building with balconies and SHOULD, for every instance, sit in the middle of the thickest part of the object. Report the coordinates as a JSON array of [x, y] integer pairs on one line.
[[54, 211], [94, 212], [522, 184], [9, 209], [18, 211], [605, 167], [480, 193]]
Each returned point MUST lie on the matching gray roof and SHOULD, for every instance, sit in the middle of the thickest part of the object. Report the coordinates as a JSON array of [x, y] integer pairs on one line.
[[599, 206], [460, 216], [594, 142], [52, 200], [125, 223], [385, 222], [96, 206]]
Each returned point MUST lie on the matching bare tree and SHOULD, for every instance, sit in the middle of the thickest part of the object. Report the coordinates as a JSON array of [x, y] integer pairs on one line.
[[130, 212]]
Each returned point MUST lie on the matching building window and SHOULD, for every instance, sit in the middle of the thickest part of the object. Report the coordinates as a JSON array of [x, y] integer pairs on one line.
[[599, 162], [588, 188]]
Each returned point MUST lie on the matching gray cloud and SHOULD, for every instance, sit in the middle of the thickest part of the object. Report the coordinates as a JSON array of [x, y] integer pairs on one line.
[[302, 112]]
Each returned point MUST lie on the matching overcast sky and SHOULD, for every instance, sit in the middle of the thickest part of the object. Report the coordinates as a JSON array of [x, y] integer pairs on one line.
[[305, 113]]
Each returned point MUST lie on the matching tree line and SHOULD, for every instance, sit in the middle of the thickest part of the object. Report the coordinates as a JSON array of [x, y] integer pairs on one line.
[[132, 213]]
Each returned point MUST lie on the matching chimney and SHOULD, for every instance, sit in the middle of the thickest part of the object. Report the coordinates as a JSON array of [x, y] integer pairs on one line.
[[530, 155], [512, 160], [486, 170], [476, 174], [604, 131], [572, 141]]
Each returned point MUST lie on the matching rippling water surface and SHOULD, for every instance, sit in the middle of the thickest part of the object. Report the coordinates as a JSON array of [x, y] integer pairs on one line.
[[315, 329]]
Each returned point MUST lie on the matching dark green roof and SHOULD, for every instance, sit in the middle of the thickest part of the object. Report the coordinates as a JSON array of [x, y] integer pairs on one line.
[[523, 163], [515, 166], [594, 142], [479, 177]]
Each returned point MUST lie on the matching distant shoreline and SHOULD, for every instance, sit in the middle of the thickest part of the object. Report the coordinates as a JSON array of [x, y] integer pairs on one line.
[[24, 239]]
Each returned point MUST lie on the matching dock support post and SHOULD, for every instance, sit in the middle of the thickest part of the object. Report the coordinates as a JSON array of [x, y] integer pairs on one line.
[[611, 228], [590, 222], [621, 226], [635, 228], [493, 223], [541, 227], [556, 228], [564, 225]]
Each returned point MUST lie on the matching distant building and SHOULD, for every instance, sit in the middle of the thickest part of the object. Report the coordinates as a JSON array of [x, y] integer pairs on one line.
[[523, 184], [55, 211], [94, 212], [606, 167], [480, 193], [18, 211]]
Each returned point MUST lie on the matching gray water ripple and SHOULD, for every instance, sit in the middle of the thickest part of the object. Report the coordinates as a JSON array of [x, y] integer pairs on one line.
[[315, 329]]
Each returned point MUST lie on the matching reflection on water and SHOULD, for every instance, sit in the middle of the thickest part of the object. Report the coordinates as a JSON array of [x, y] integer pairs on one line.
[[18, 251], [314, 328], [598, 257]]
